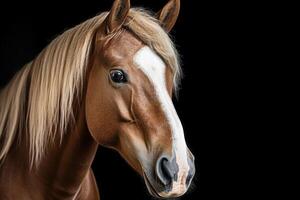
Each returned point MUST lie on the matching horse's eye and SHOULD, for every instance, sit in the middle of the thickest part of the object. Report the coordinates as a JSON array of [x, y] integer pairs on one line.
[[118, 76]]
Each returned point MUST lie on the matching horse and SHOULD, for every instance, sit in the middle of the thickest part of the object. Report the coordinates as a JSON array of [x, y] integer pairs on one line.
[[108, 82]]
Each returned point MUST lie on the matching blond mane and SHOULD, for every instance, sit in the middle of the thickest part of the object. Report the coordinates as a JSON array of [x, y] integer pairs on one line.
[[37, 104]]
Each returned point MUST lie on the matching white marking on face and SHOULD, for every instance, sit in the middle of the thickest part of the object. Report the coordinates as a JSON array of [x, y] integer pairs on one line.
[[155, 69]]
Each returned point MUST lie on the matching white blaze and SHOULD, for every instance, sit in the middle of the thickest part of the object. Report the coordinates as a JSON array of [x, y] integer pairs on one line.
[[155, 69]]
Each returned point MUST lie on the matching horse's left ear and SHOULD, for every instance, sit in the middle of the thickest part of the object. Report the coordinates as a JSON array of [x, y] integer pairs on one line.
[[169, 14], [117, 15]]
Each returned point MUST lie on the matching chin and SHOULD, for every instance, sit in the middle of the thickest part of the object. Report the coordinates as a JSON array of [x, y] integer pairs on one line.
[[159, 191]]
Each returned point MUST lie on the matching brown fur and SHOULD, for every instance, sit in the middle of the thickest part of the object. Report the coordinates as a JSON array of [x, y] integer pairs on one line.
[[128, 119]]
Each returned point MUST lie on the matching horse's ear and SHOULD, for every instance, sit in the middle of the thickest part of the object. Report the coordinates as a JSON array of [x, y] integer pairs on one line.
[[117, 15], [169, 14]]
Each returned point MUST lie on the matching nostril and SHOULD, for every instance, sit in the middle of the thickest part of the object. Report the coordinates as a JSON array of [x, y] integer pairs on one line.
[[188, 179], [191, 171], [162, 171], [166, 170]]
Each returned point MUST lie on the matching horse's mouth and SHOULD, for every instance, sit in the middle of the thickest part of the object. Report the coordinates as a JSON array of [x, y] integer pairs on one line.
[[151, 187]]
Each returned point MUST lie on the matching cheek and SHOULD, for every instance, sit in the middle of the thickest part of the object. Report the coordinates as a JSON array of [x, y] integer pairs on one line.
[[100, 112], [101, 120]]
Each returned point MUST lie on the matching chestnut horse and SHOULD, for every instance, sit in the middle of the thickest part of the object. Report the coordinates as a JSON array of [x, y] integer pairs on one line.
[[108, 81]]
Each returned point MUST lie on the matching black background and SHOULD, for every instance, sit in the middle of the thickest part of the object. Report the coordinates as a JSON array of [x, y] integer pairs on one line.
[[212, 101]]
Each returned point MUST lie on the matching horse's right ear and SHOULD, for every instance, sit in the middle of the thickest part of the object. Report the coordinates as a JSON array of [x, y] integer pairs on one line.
[[169, 14], [117, 15]]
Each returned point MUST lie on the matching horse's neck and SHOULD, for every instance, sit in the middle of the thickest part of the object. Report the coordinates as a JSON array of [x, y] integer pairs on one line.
[[65, 165], [68, 165]]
